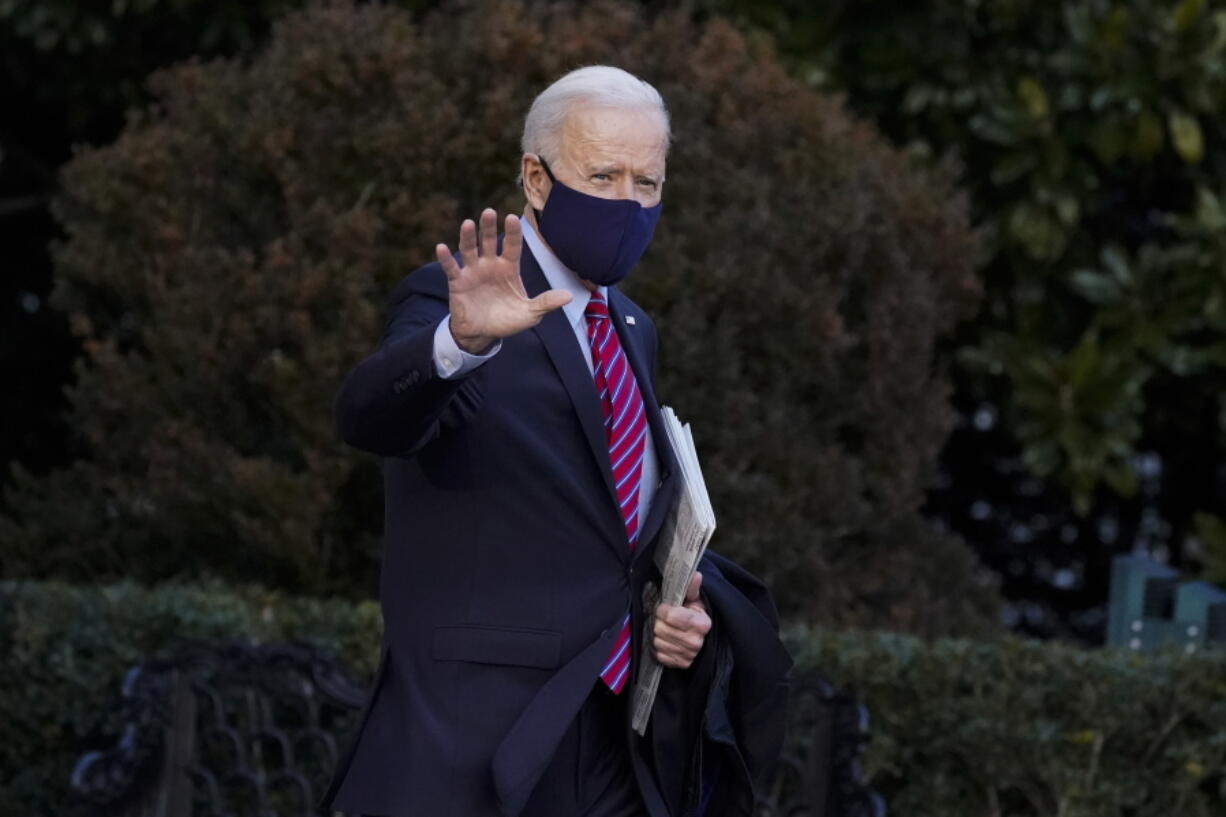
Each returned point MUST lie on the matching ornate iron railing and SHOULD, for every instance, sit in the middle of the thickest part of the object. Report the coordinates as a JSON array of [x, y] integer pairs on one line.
[[235, 730]]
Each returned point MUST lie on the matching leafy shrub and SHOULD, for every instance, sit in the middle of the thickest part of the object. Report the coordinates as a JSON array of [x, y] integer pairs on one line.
[[228, 257], [1093, 133], [1092, 137], [1019, 727], [959, 727]]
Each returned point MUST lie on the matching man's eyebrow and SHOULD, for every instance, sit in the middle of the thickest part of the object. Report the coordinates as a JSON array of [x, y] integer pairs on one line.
[[605, 168], [613, 169]]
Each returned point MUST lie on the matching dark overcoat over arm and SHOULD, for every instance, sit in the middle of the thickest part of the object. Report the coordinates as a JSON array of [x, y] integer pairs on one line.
[[718, 727]]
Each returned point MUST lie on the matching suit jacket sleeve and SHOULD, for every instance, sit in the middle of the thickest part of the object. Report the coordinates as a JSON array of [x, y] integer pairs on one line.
[[394, 402]]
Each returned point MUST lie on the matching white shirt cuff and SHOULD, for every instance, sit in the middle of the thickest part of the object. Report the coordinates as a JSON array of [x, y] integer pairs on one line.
[[450, 360]]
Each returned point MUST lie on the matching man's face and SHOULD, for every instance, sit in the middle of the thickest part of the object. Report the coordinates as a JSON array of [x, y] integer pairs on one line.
[[612, 153]]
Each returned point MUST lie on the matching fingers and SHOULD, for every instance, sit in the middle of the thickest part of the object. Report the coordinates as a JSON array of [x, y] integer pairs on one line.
[[687, 647], [549, 300], [691, 592], [512, 242], [482, 242], [489, 232], [672, 656], [447, 261], [675, 660], [681, 622], [679, 634], [468, 242]]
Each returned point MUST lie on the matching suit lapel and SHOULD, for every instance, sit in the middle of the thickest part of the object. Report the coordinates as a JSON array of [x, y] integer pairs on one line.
[[558, 338]]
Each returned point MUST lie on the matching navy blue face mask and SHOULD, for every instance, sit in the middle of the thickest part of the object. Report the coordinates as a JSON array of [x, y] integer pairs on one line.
[[599, 239]]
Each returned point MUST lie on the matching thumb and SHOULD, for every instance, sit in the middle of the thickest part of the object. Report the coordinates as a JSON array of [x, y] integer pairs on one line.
[[550, 300], [691, 592]]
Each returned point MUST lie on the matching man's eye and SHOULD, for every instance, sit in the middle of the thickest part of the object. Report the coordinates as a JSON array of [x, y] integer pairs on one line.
[[604, 177], [648, 183]]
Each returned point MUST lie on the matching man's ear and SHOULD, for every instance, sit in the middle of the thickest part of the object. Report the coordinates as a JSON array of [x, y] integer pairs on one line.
[[534, 180]]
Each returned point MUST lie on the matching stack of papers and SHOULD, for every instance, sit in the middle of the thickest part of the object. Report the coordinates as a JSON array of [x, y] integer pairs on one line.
[[683, 540]]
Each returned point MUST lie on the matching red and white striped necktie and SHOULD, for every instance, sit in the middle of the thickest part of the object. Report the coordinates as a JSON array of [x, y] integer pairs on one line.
[[625, 427]]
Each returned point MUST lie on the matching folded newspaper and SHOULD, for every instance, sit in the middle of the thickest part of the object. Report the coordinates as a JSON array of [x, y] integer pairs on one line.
[[687, 530]]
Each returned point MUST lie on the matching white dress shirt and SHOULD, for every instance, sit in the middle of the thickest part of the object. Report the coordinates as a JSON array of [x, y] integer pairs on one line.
[[452, 361]]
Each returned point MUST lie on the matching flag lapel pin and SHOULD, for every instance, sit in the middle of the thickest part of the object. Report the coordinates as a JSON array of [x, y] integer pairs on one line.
[[630, 320]]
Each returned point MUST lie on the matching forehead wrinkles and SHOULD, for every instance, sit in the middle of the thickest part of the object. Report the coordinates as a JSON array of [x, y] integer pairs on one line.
[[614, 136]]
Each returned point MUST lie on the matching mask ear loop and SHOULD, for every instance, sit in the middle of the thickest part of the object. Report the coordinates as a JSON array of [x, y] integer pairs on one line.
[[545, 165]]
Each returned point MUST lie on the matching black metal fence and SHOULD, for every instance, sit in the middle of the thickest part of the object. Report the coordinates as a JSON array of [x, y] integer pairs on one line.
[[230, 730]]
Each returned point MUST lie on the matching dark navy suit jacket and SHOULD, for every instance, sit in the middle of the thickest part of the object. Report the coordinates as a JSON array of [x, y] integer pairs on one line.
[[506, 568]]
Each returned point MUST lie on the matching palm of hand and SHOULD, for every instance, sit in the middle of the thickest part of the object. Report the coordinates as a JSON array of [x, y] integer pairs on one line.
[[486, 295]]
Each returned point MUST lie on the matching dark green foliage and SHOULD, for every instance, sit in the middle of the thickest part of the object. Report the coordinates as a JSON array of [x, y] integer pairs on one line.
[[228, 257], [68, 70], [1010, 727], [64, 650], [1092, 137], [1018, 727]]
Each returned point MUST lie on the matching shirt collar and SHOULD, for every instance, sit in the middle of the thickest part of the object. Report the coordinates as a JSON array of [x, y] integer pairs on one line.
[[559, 275]]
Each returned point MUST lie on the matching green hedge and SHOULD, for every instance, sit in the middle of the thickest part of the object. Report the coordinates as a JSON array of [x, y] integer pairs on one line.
[[64, 650], [960, 728], [1016, 727]]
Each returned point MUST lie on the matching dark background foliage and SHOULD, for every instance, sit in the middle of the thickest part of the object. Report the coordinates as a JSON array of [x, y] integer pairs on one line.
[[68, 71], [1091, 382], [1089, 387], [226, 260]]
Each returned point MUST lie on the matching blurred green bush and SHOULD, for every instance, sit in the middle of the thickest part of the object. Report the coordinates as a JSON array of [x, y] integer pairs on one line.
[[959, 727], [227, 259]]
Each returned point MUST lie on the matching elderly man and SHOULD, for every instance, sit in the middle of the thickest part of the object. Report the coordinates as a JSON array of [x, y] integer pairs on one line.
[[527, 477]]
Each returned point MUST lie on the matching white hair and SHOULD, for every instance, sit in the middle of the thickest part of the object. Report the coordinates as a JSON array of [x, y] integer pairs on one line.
[[596, 85]]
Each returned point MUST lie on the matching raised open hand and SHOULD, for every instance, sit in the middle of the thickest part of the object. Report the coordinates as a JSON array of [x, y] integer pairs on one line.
[[487, 297]]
